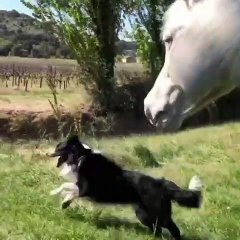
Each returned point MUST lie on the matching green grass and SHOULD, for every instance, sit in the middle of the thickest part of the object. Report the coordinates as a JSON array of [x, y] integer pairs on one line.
[[26, 177], [37, 98], [4, 42]]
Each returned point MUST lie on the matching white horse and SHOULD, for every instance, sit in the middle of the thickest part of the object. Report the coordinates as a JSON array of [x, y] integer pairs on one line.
[[202, 56]]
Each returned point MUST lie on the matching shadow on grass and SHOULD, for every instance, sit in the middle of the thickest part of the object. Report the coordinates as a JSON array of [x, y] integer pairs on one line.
[[115, 222], [119, 223], [194, 237], [108, 221]]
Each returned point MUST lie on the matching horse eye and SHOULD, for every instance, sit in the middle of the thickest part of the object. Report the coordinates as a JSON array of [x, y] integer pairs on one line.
[[168, 39]]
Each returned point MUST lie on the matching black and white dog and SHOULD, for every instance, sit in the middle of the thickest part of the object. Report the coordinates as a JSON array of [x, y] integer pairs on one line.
[[101, 180]]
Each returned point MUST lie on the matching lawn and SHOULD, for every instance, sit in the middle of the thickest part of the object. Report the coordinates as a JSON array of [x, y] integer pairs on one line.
[[27, 176]]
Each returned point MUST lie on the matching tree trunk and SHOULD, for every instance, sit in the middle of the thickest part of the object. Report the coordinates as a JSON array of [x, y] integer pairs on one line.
[[105, 22], [154, 30]]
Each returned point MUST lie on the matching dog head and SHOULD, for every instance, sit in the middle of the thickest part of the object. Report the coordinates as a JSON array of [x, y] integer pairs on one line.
[[68, 153], [70, 150]]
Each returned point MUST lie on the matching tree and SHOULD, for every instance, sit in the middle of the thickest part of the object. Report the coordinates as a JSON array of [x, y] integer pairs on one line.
[[64, 52], [147, 21], [89, 28], [16, 50]]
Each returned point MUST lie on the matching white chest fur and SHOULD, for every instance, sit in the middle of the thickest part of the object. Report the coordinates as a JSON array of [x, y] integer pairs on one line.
[[68, 172]]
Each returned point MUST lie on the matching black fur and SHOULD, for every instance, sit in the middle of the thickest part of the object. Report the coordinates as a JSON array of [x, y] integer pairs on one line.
[[108, 183]]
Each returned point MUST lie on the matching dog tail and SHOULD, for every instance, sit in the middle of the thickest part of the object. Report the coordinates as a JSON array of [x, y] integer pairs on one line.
[[190, 198]]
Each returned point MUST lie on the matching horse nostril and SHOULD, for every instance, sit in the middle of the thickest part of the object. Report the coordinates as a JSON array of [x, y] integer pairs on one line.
[[160, 113]]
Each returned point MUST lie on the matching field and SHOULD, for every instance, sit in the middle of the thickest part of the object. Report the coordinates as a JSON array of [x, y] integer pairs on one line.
[[23, 83], [16, 71], [24, 90], [27, 176]]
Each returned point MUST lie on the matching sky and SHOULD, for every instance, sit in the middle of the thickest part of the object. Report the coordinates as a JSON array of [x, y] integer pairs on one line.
[[18, 6], [14, 4]]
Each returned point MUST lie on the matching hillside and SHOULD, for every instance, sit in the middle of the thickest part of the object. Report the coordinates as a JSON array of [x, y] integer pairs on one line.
[[21, 36]]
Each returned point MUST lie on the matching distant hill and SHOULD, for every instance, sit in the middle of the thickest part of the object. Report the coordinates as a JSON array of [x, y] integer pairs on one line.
[[20, 36]]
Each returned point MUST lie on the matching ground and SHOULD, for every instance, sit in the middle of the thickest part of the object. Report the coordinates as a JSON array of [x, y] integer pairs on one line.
[[27, 176]]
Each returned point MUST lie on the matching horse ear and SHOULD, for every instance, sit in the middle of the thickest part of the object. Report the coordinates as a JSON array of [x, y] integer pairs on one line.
[[191, 3]]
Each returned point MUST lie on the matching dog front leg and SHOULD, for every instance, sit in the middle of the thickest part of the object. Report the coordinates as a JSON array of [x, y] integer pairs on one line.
[[69, 191], [74, 191], [68, 187], [69, 197]]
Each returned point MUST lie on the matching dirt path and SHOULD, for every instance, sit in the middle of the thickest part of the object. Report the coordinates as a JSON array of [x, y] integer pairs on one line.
[[23, 123]]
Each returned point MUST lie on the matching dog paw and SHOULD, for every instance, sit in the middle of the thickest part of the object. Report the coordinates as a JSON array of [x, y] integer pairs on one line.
[[66, 204]]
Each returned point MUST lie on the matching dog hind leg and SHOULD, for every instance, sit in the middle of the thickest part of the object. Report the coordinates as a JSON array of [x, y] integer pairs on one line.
[[174, 230], [150, 222]]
